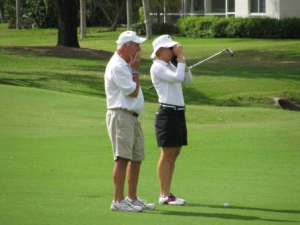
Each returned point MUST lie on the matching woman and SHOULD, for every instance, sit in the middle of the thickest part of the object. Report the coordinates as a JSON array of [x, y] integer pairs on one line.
[[170, 125]]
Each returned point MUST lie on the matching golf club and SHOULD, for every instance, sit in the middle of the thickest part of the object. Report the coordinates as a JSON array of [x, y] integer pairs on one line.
[[229, 51]]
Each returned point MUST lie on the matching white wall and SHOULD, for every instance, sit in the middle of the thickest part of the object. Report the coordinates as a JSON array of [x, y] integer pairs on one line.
[[289, 8], [242, 8], [273, 8]]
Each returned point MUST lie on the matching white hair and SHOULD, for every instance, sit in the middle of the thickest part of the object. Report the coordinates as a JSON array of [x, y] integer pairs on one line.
[[126, 43]]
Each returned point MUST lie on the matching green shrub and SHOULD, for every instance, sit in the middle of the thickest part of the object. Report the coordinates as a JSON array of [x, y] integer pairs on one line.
[[239, 27], [157, 28], [218, 28], [139, 28], [289, 28]]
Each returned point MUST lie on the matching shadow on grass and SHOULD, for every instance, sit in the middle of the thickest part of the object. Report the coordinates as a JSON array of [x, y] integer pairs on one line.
[[225, 216], [89, 84], [244, 208], [69, 83]]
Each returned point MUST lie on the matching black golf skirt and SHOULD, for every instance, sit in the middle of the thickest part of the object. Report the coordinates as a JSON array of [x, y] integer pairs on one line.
[[170, 127]]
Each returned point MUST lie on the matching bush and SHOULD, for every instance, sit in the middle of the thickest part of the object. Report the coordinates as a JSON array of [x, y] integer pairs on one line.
[[139, 28], [164, 28], [289, 28], [218, 28], [239, 27], [236, 28], [157, 28]]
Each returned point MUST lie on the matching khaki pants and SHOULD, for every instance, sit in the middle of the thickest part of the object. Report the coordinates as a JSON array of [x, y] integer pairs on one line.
[[125, 134]]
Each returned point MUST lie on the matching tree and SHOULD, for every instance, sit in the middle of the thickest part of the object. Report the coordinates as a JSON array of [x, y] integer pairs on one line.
[[1, 12], [147, 19], [119, 6], [82, 18], [129, 13], [67, 23], [18, 14]]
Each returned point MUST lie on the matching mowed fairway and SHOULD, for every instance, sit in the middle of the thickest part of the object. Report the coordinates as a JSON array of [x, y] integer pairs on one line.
[[56, 160]]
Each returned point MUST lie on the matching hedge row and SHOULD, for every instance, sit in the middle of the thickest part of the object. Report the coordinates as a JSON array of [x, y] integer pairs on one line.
[[157, 28], [239, 27]]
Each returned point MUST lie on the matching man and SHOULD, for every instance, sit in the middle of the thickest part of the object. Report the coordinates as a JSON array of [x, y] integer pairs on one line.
[[125, 102]]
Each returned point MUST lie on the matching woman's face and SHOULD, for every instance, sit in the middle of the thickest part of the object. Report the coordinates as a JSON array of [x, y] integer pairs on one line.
[[165, 54]]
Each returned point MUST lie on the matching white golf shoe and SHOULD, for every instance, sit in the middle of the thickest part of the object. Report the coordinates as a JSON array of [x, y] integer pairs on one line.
[[179, 199], [124, 206], [170, 200], [141, 203]]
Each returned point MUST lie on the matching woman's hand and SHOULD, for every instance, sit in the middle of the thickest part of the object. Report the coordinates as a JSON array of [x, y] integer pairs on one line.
[[177, 49]]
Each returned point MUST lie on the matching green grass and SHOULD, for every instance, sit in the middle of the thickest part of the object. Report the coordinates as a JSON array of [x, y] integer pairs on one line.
[[260, 69], [55, 155]]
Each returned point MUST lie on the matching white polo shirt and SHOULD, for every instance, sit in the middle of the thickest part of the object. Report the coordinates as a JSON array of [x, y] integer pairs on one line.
[[167, 80], [119, 85]]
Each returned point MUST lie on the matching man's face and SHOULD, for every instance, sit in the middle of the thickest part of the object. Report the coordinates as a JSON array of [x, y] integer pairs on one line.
[[133, 48]]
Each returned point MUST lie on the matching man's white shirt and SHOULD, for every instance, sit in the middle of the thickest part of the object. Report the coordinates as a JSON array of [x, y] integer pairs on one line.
[[167, 80], [119, 85]]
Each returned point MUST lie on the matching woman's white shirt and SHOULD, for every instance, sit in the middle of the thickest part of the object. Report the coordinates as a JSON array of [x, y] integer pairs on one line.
[[167, 80]]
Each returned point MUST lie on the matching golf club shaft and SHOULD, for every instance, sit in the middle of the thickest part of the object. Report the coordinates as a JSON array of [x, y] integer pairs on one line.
[[202, 61], [198, 63]]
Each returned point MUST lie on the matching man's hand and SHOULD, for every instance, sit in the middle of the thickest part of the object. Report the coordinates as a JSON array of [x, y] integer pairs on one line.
[[135, 61]]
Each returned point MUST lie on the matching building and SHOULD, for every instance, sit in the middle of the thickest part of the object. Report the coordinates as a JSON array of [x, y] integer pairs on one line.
[[226, 8]]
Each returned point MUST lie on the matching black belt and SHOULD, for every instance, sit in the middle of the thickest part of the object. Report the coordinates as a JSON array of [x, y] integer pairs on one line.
[[135, 114], [132, 113], [175, 107]]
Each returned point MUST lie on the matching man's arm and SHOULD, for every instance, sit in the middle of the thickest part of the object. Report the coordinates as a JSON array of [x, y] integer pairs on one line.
[[135, 65]]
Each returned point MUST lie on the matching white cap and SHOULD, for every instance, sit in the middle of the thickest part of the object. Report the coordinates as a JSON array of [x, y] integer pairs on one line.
[[163, 41], [128, 36]]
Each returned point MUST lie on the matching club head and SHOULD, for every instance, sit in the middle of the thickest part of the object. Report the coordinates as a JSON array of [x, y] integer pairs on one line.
[[230, 52]]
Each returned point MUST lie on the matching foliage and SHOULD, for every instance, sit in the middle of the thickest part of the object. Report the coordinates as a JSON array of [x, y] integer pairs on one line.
[[35, 13], [157, 28], [139, 28], [239, 27], [141, 15]]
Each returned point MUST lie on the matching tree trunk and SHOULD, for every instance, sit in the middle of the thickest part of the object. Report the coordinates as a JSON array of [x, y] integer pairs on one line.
[[18, 14], [147, 19], [1, 17], [129, 13], [82, 18], [67, 23], [114, 23]]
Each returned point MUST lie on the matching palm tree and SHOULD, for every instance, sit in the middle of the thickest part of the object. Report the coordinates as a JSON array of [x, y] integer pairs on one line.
[[82, 18], [18, 15], [147, 19], [129, 13]]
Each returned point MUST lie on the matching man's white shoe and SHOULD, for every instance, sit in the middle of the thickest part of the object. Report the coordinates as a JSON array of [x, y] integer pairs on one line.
[[170, 200], [124, 206], [141, 203]]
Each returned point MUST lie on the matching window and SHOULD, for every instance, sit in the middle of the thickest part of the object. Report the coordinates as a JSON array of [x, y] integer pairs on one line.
[[198, 5], [258, 6], [218, 6], [231, 6]]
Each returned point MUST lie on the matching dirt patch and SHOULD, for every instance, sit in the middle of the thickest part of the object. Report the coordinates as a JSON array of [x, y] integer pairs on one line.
[[63, 51]]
